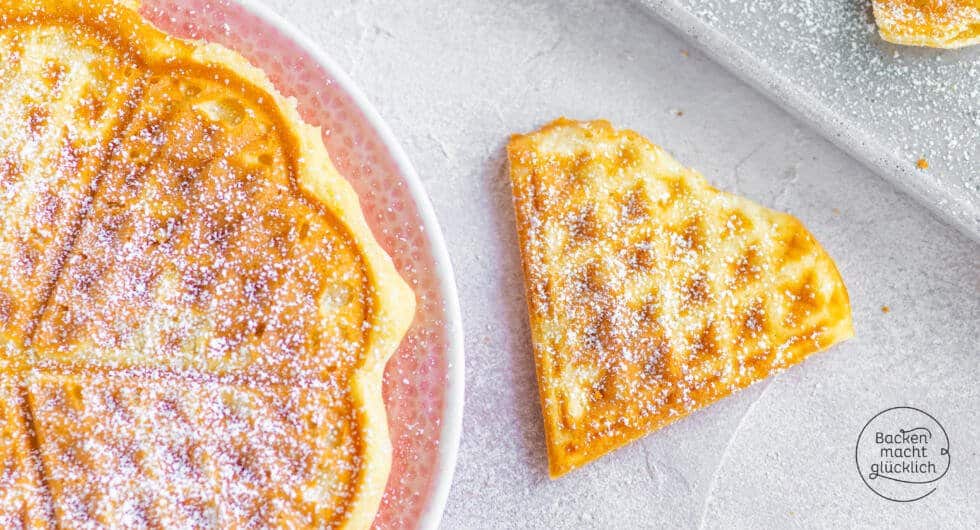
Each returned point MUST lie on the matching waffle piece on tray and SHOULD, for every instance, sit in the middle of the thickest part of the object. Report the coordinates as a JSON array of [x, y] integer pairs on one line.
[[933, 23]]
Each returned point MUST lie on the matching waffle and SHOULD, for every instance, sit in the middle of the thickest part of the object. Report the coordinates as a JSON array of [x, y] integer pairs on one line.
[[933, 23], [194, 315], [650, 293]]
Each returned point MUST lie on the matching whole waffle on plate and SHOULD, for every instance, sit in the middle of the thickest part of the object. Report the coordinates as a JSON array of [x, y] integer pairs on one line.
[[194, 315]]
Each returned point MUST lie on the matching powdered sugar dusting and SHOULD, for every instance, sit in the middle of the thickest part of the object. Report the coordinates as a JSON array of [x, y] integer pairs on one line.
[[416, 377], [651, 294], [192, 333], [902, 103]]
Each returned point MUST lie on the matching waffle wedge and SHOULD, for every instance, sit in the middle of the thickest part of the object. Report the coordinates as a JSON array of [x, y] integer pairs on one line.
[[650, 293], [933, 23], [194, 315]]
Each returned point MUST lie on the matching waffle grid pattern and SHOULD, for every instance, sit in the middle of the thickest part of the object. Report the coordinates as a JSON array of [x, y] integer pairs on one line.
[[652, 294], [418, 378], [160, 368]]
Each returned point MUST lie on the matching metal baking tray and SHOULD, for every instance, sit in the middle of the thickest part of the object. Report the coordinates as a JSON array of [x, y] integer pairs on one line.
[[893, 107]]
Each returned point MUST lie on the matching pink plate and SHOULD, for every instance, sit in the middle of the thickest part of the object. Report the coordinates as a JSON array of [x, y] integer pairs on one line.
[[423, 385]]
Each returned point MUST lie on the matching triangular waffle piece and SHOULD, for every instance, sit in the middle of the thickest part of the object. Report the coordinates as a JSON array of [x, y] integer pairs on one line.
[[933, 23], [652, 294], [63, 95]]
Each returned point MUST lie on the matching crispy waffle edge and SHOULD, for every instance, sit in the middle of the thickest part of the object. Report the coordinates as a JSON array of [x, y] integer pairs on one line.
[[950, 25], [520, 148], [393, 304]]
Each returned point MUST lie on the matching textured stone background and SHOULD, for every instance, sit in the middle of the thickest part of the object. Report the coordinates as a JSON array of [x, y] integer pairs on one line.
[[454, 78]]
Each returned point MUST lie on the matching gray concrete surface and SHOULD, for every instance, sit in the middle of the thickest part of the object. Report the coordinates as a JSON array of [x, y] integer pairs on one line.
[[454, 78]]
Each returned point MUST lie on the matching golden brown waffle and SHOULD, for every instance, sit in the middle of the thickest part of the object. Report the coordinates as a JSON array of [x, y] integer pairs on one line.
[[651, 294], [24, 502], [194, 316], [934, 23]]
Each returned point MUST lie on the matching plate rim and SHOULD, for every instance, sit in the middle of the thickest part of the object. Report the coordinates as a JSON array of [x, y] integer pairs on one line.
[[451, 430]]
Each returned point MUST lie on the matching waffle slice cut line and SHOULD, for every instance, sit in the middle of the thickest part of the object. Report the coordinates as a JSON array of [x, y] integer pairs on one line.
[[194, 314]]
